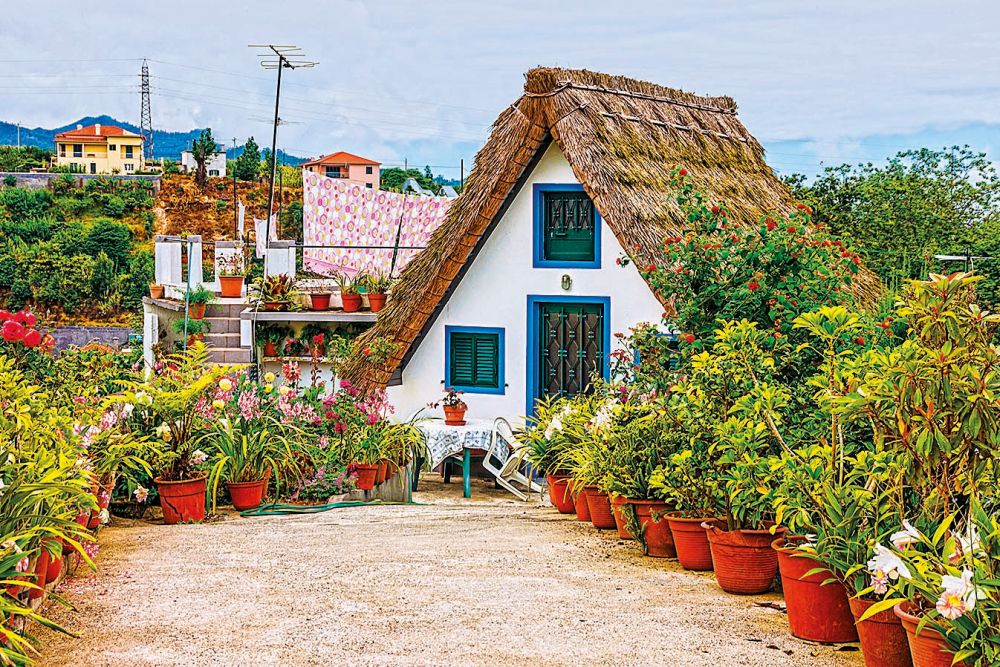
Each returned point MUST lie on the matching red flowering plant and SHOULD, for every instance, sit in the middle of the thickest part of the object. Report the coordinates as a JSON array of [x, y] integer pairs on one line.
[[768, 273], [646, 357]]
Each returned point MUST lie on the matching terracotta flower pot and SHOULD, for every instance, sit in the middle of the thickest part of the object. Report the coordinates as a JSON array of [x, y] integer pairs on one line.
[[273, 306], [580, 505], [376, 302], [883, 639], [352, 302], [366, 475], [247, 495], [691, 541], [745, 563], [559, 494], [929, 648], [391, 468], [656, 534], [183, 500], [195, 338], [815, 612], [320, 301], [600, 508], [618, 511], [380, 472], [41, 570], [270, 350], [196, 311], [231, 287], [103, 502], [156, 291], [454, 415]]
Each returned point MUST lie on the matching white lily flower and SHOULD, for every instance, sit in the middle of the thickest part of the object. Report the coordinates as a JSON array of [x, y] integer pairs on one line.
[[887, 565]]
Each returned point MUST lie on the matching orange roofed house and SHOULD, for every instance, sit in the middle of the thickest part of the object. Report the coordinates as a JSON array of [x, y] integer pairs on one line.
[[100, 149], [346, 165]]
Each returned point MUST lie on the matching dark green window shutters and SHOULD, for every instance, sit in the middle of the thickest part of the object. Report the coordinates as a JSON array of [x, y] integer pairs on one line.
[[474, 359], [569, 225]]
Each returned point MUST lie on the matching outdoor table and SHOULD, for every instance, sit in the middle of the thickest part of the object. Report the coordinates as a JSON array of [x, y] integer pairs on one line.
[[443, 441]]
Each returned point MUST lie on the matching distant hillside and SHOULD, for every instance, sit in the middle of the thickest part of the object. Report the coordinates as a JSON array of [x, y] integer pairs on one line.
[[165, 144]]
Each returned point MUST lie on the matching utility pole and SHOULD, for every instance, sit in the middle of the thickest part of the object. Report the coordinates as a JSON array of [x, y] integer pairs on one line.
[[281, 193], [236, 206], [279, 57], [146, 115]]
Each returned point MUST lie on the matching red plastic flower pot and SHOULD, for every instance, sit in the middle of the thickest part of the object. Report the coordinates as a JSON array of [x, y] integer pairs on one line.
[[270, 350], [182, 501], [745, 563], [352, 302], [600, 508], [815, 612], [618, 511], [320, 301], [883, 639], [655, 529], [928, 648], [559, 493], [376, 302], [691, 542], [580, 505], [366, 475], [41, 569], [247, 495], [231, 287]]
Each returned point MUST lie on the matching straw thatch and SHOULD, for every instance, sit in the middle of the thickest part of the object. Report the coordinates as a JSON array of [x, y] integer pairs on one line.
[[622, 138]]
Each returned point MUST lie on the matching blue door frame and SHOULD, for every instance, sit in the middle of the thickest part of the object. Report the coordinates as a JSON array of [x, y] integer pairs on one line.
[[534, 311]]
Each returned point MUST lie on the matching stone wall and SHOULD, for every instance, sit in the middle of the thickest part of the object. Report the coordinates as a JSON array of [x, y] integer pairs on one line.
[[29, 180], [80, 336]]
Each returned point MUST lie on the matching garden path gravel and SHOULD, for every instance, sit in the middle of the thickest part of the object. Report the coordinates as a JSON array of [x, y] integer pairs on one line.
[[486, 581]]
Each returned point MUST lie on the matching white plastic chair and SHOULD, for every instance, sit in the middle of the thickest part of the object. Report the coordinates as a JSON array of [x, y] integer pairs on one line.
[[503, 464]]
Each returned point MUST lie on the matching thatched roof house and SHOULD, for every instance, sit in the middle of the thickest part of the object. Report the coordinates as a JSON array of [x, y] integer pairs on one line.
[[621, 138]]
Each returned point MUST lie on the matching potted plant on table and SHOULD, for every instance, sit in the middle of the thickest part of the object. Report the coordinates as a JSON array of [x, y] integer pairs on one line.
[[349, 292], [271, 337], [156, 291], [453, 405], [167, 404], [232, 272], [197, 300]]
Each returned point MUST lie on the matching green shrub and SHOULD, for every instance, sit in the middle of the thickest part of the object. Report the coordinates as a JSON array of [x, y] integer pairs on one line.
[[114, 206], [10, 180], [113, 238], [105, 278], [22, 203], [30, 231], [135, 283]]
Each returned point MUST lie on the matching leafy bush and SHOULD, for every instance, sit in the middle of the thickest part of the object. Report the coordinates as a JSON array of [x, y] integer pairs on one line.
[[112, 238], [25, 203]]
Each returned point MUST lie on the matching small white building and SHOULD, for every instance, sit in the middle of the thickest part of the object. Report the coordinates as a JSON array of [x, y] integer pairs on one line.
[[215, 165], [519, 293]]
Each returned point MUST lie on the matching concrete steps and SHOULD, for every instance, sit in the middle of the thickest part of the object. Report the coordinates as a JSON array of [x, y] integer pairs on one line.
[[224, 338]]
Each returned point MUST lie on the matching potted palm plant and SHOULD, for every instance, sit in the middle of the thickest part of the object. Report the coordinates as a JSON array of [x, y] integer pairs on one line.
[[377, 286], [349, 292]]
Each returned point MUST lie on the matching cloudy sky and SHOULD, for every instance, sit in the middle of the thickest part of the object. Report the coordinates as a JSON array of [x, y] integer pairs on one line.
[[817, 83]]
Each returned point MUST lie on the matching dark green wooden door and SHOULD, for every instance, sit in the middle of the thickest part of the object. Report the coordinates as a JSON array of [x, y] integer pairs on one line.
[[570, 346]]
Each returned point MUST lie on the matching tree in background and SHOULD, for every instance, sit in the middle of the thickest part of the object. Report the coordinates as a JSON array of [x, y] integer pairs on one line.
[[13, 158], [247, 165], [920, 203], [392, 178], [202, 149]]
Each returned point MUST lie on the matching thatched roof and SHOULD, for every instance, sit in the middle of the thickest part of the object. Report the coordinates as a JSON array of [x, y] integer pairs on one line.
[[622, 137]]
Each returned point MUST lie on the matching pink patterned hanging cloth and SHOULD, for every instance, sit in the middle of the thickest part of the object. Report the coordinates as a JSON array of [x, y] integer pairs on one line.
[[338, 212]]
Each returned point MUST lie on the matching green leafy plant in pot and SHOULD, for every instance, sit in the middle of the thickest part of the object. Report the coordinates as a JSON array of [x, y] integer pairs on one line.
[[231, 273], [195, 329], [197, 300], [350, 295], [377, 285]]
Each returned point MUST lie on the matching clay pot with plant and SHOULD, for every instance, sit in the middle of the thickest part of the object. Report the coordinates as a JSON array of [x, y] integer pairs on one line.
[[232, 273], [453, 405], [270, 338], [195, 329], [197, 300], [156, 291], [349, 289], [275, 293], [377, 286]]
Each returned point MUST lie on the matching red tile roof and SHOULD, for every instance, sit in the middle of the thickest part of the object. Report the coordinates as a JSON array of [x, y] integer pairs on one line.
[[341, 157], [90, 132]]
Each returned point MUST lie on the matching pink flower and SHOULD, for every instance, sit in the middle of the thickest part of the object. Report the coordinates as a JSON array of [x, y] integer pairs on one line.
[[91, 549]]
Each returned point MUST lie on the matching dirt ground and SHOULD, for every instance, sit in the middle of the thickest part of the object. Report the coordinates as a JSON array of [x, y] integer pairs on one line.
[[486, 581]]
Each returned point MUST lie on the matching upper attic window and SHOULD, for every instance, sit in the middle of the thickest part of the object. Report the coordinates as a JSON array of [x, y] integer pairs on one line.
[[567, 228]]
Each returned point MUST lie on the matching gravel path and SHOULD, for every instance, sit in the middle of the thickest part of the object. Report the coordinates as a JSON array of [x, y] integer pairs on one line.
[[453, 582]]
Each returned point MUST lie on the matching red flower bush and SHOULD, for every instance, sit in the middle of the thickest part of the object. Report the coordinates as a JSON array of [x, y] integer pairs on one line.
[[19, 328]]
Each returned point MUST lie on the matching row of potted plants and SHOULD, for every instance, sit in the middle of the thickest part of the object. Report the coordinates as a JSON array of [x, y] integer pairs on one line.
[[871, 487], [279, 292]]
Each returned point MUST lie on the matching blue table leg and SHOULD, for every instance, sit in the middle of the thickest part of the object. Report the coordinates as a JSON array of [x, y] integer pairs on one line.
[[466, 481]]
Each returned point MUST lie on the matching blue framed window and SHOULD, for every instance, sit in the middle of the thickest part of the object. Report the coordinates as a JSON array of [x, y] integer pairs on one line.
[[474, 359], [567, 228]]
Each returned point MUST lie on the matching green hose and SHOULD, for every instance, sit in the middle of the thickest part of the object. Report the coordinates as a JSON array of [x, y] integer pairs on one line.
[[278, 509]]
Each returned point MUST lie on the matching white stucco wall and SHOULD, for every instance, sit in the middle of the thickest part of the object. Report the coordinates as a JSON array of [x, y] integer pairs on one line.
[[494, 293]]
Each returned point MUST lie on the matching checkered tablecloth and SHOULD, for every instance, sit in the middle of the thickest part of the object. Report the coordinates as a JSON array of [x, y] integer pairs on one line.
[[443, 441]]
